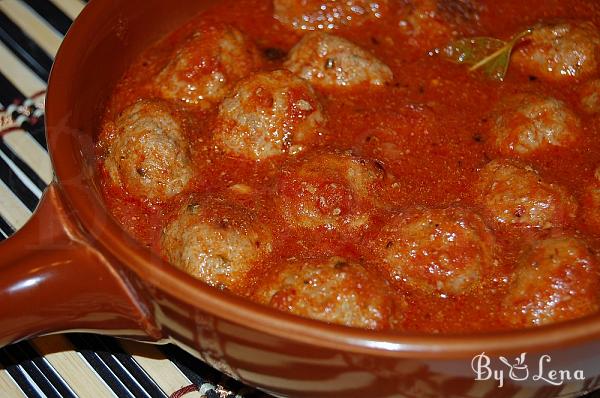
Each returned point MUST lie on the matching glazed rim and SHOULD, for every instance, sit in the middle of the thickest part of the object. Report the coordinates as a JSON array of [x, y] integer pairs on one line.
[[79, 192]]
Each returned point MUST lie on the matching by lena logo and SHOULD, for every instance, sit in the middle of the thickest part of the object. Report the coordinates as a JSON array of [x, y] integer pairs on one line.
[[519, 370]]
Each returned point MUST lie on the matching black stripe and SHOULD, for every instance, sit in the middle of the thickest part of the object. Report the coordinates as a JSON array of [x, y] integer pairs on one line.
[[51, 13], [22, 354], [17, 186], [7, 229], [17, 374], [24, 47], [92, 353], [9, 94], [114, 365], [147, 383], [37, 131], [51, 375], [106, 346], [24, 167]]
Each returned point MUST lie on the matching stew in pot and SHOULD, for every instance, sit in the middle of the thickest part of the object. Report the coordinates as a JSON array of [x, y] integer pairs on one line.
[[414, 165]]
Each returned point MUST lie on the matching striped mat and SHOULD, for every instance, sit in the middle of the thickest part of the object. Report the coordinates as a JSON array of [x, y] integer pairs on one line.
[[73, 365]]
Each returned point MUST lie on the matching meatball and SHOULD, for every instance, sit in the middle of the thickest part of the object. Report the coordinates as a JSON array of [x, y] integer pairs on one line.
[[148, 155], [330, 61], [432, 23], [590, 97], [330, 190], [268, 114], [205, 66], [560, 51], [513, 195], [443, 251], [557, 279], [527, 124], [332, 290], [327, 14], [215, 241]]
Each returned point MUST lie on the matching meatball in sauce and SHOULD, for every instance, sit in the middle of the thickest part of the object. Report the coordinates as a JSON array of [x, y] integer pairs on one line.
[[528, 124], [215, 241], [513, 195], [327, 14], [442, 251], [334, 290], [329, 61], [557, 279], [205, 66], [561, 51], [268, 114], [330, 191], [147, 154]]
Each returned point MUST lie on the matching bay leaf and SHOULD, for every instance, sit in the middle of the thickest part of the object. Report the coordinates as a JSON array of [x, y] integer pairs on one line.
[[489, 54]]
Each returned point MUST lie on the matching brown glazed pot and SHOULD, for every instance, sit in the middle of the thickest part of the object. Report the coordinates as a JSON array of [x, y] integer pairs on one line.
[[73, 268]]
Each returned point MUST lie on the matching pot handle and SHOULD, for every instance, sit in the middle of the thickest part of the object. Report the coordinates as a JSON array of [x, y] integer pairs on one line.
[[52, 280]]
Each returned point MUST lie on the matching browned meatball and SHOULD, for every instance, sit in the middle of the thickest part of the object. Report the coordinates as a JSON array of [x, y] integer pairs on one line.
[[205, 66], [331, 190], [527, 124], [514, 195], [330, 61], [268, 114], [431, 23], [443, 251], [332, 290], [590, 97], [557, 279], [148, 155], [327, 14], [560, 51], [215, 241]]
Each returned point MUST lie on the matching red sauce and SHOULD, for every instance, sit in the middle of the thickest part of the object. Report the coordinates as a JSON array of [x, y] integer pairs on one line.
[[438, 116]]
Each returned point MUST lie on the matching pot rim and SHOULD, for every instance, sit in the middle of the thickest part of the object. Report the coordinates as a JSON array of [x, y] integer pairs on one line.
[[79, 194]]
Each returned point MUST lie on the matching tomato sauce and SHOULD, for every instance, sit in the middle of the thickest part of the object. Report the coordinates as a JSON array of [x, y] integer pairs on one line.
[[429, 129]]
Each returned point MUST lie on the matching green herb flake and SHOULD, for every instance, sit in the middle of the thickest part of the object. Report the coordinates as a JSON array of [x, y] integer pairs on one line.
[[490, 55]]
